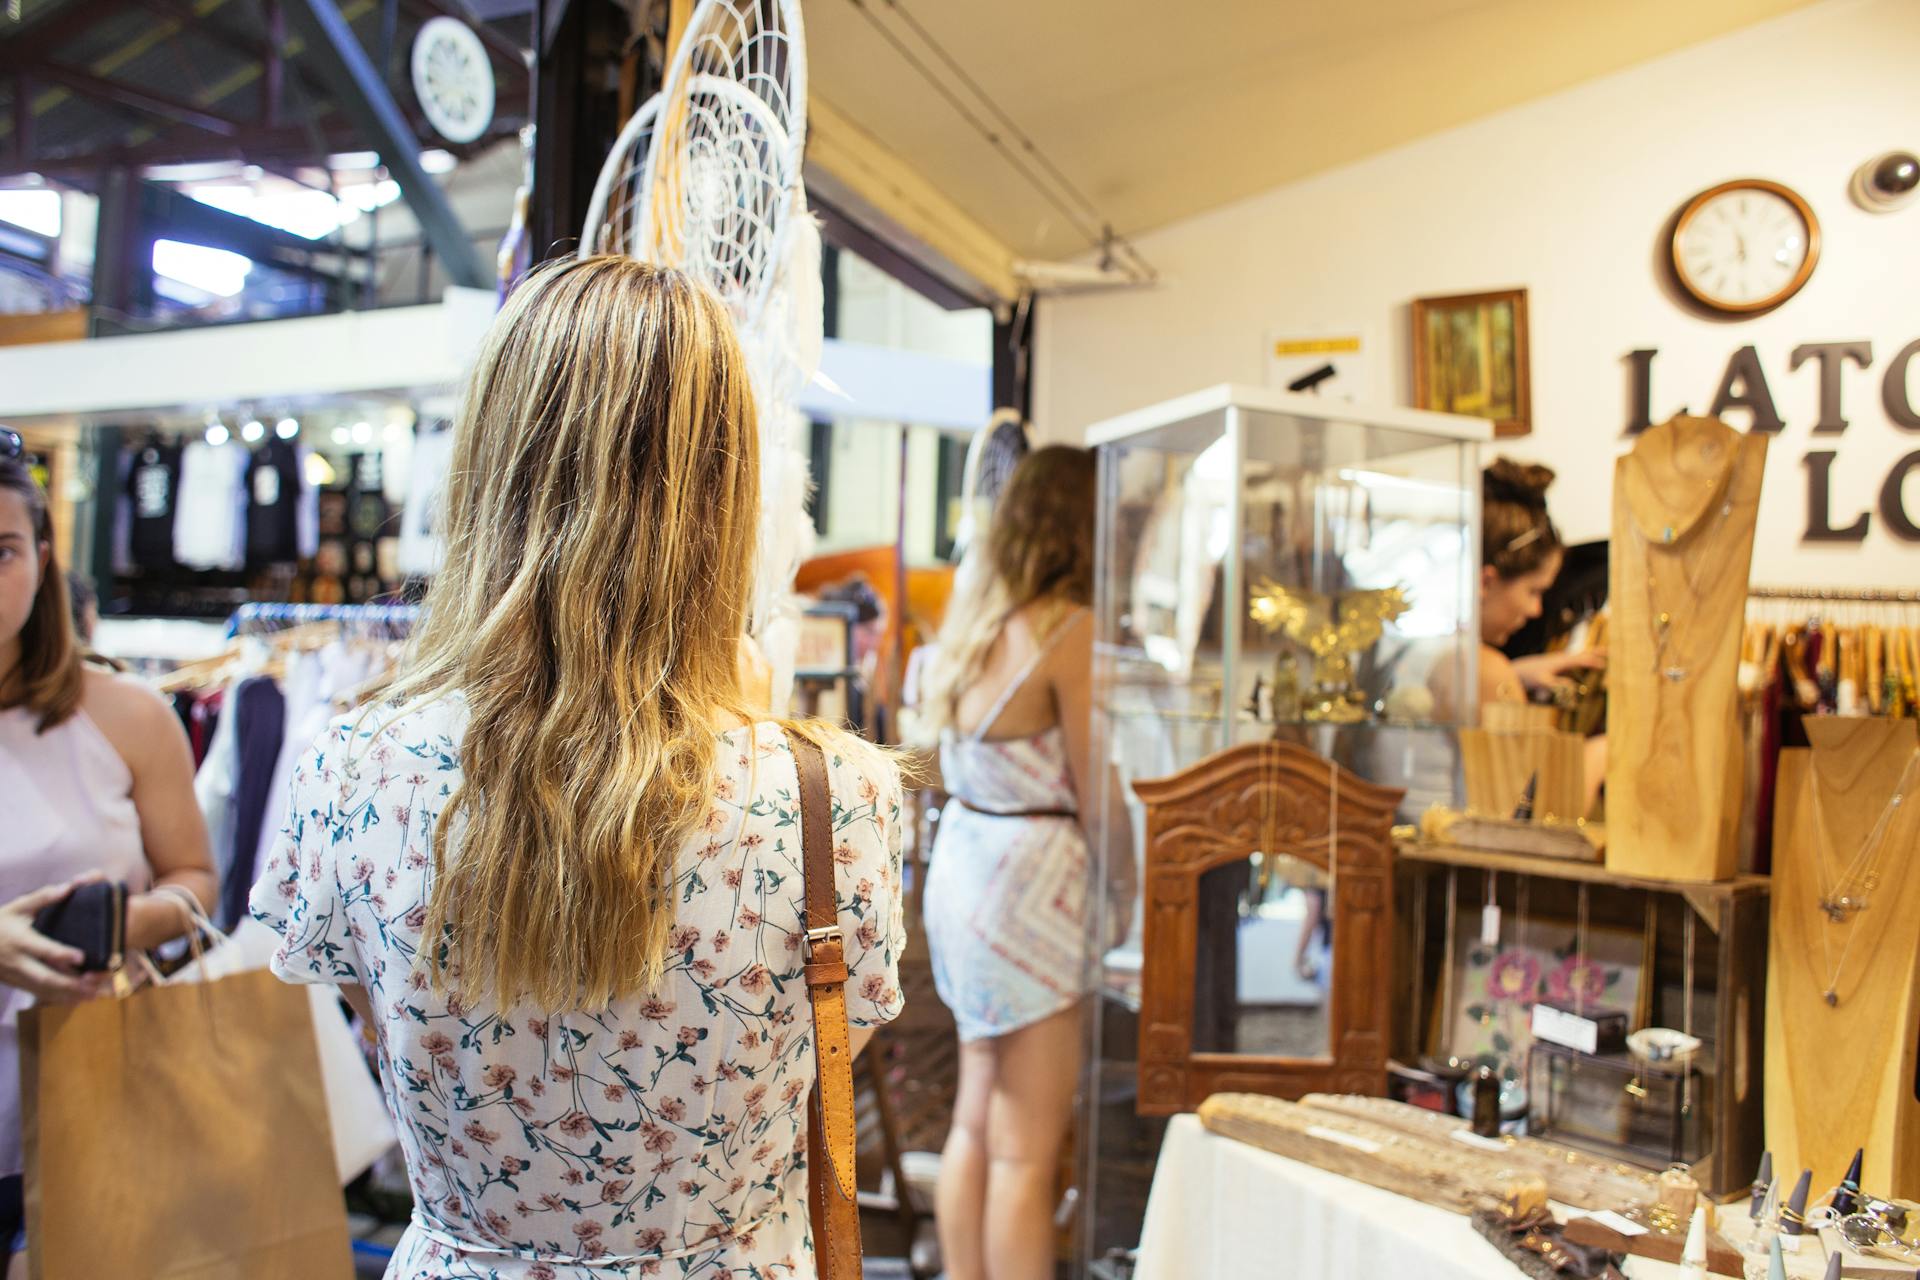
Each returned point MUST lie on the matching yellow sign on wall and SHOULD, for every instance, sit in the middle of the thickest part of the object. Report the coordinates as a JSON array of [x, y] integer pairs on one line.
[[1332, 362], [1316, 346]]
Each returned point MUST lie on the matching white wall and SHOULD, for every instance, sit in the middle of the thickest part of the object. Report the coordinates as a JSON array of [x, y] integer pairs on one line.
[[1569, 196]]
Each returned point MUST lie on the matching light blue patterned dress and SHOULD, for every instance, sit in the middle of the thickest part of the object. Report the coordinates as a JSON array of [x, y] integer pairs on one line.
[[663, 1136], [1006, 898]]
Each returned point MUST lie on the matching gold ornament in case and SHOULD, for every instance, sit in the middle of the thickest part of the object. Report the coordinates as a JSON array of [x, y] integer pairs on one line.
[[1333, 628]]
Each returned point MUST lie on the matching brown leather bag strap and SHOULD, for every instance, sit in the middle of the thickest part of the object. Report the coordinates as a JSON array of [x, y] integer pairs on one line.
[[832, 1193]]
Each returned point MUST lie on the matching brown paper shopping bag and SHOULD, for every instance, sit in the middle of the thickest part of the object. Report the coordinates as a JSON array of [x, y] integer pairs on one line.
[[180, 1133]]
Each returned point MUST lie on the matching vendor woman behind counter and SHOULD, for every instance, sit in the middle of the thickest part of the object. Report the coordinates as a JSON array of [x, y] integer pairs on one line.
[[1520, 556]]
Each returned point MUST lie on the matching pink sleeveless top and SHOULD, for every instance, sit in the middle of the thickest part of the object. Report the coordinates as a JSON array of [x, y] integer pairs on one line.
[[68, 799]]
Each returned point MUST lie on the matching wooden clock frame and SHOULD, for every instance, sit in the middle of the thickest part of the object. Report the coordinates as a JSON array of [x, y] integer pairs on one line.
[[1691, 209], [1221, 811]]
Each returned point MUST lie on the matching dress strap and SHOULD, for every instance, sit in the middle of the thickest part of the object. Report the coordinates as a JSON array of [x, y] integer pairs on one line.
[[1014, 685]]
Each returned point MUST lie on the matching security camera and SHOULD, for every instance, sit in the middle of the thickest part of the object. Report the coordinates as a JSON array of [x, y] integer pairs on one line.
[[1886, 182]]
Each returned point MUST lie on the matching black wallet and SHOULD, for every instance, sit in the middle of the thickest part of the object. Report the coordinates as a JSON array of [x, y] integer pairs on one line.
[[92, 920]]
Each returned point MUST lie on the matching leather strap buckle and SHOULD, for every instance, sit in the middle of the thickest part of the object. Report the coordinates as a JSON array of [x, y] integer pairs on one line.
[[832, 933]]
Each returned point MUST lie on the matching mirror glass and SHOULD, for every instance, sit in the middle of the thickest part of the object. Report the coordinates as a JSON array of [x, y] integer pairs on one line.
[[1265, 967]]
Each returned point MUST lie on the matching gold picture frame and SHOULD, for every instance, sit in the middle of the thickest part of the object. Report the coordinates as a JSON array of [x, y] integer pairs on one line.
[[1470, 355]]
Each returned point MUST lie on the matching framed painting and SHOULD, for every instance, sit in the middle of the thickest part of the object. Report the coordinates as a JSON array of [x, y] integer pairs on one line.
[[1470, 356]]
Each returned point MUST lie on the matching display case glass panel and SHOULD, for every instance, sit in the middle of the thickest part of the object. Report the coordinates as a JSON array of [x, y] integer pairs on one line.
[[1268, 564]]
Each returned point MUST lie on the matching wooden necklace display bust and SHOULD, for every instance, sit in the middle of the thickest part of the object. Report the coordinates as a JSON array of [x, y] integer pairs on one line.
[[1842, 1013], [1684, 505]]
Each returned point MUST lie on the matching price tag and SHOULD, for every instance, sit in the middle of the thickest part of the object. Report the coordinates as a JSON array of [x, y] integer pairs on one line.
[[1472, 1139], [1613, 1221], [1490, 925], [1557, 1026], [1344, 1139]]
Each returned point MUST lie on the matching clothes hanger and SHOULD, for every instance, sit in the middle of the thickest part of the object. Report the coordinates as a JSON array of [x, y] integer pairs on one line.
[[1806, 693]]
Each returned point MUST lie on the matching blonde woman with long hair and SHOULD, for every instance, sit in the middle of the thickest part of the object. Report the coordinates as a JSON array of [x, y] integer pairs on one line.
[[557, 867], [1010, 695]]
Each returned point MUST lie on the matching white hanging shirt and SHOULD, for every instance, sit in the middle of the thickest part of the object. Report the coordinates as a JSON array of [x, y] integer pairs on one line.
[[421, 545], [210, 507]]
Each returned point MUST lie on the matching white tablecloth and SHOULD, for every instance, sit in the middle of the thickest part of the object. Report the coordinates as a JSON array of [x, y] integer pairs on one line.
[[1221, 1209]]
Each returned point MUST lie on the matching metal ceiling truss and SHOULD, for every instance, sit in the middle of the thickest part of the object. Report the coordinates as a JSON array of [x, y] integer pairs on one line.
[[362, 94], [294, 116]]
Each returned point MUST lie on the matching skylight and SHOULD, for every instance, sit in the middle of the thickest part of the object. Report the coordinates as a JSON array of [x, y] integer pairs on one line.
[[35, 208], [214, 271], [302, 211]]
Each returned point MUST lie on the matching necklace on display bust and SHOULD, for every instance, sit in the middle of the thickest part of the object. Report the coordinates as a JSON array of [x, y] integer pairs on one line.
[[1660, 621], [1678, 500], [1849, 891]]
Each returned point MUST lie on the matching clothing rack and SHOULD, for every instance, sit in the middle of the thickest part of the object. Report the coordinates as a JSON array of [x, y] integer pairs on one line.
[[251, 618], [1838, 595]]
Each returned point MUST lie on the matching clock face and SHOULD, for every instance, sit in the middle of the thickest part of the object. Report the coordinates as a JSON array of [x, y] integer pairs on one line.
[[1745, 246], [453, 78]]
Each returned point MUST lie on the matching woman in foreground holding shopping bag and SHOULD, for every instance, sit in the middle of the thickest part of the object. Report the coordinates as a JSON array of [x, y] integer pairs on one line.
[[97, 783], [597, 910]]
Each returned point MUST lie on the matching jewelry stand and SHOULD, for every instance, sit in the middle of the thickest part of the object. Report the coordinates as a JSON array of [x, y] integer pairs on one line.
[[1684, 505], [1841, 1075]]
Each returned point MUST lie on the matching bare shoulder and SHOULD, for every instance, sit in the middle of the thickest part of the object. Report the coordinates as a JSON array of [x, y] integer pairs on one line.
[[134, 718], [1070, 635], [122, 700], [1055, 622]]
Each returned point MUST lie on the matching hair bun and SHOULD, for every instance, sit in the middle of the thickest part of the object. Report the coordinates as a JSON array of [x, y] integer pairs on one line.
[[1523, 483]]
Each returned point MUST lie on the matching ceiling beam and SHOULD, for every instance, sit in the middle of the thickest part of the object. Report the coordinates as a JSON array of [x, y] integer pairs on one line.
[[131, 98], [275, 58], [273, 71], [169, 214], [265, 147], [503, 46], [362, 95], [869, 183], [39, 40]]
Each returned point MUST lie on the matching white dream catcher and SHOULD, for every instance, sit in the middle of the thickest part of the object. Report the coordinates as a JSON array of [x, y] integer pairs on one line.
[[706, 177]]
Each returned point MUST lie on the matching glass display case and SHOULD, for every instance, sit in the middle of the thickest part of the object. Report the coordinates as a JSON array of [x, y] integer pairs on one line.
[[1269, 565]]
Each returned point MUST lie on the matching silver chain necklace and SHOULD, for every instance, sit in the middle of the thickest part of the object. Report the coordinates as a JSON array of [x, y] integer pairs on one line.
[[1660, 622], [1836, 903]]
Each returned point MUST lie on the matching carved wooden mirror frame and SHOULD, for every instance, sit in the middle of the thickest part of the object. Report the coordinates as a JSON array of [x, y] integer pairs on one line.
[[1221, 811]]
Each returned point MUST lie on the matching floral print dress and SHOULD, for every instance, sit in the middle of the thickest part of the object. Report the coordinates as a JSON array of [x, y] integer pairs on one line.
[[662, 1136]]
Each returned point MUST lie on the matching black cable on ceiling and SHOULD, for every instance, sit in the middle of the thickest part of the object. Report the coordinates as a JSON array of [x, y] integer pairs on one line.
[[1099, 237], [1027, 143]]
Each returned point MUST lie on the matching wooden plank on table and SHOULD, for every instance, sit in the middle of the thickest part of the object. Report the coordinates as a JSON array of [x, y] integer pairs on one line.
[[1556, 840], [1572, 1177], [1376, 1154]]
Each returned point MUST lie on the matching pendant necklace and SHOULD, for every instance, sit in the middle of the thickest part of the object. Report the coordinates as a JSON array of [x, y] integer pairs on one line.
[[1840, 900], [1659, 621]]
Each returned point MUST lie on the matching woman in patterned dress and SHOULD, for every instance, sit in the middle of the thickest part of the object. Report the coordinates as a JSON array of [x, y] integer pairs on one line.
[[1007, 896], [557, 868]]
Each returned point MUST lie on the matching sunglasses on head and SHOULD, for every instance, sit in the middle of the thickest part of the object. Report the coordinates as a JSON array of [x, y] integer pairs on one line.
[[11, 445]]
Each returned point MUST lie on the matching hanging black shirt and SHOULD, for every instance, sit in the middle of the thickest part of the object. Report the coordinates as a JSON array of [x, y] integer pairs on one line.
[[367, 508], [273, 503], [153, 490]]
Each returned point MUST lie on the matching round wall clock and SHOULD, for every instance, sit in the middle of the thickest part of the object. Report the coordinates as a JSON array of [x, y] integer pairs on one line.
[[1745, 246], [453, 78]]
